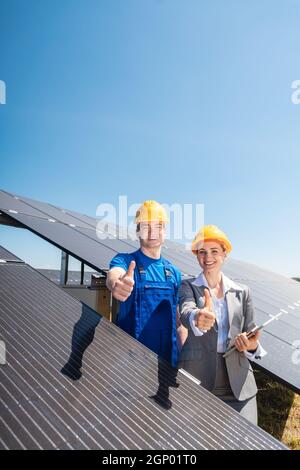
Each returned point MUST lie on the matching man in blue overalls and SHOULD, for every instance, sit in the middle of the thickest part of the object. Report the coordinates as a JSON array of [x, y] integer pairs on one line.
[[147, 285]]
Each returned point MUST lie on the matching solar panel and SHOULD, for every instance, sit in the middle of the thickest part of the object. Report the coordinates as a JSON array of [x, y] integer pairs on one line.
[[94, 253], [12, 204], [46, 331], [75, 233], [6, 255], [282, 360], [280, 328]]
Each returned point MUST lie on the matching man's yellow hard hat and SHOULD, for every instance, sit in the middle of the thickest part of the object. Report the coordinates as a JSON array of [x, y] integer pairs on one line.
[[209, 233], [151, 211]]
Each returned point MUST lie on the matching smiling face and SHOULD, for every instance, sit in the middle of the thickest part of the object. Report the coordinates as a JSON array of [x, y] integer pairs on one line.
[[211, 256], [151, 234]]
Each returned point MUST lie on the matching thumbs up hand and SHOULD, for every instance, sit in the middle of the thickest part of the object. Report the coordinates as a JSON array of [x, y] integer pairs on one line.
[[205, 317], [208, 303], [124, 285]]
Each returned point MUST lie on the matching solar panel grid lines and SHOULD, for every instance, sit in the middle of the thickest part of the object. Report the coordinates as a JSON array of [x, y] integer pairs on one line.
[[89, 426], [40, 363], [270, 292], [249, 272], [284, 355], [262, 303], [102, 377], [137, 436], [63, 418], [34, 414], [219, 404], [282, 330], [38, 324], [274, 293], [277, 299], [28, 420], [16, 444]]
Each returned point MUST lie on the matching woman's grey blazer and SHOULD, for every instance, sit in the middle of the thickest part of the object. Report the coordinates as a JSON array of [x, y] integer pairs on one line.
[[199, 353]]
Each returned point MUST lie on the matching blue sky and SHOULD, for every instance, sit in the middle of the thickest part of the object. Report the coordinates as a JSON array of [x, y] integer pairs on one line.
[[175, 100]]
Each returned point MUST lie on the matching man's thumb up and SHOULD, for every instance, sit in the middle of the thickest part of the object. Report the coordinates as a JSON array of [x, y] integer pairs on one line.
[[208, 300], [125, 284], [130, 270]]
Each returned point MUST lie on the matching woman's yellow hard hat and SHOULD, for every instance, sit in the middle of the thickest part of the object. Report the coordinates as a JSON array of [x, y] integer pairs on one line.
[[209, 233], [151, 211]]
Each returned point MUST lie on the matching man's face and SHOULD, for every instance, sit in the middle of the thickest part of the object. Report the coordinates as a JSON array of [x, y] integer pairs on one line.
[[151, 234]]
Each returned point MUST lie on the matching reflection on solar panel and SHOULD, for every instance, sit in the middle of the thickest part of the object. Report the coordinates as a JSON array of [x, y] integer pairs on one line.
[[109, 406], [6, 255], [76, 234]]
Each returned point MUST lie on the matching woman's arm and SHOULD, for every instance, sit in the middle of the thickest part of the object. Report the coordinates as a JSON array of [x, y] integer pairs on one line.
[[199, 320], [242, 343], [249, 313], [187, 303]]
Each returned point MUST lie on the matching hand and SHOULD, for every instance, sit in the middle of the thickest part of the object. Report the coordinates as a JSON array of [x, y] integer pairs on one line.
[[205, 318], [242, 343], [124, 285]]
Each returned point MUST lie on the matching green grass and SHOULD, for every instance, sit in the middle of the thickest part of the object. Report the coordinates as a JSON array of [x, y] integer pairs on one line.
[[278, 410]]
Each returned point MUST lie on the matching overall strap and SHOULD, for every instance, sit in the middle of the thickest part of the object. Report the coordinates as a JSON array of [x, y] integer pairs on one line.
[[169, 275]]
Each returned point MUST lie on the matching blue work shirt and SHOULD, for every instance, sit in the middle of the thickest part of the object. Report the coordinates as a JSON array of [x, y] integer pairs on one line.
[[154, 270]]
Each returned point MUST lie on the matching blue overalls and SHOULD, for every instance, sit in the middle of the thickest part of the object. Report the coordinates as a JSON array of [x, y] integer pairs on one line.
[[152, 319]]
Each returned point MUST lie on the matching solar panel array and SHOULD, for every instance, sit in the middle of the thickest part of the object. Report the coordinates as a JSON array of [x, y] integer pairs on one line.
[[76, 234], [47, 404]]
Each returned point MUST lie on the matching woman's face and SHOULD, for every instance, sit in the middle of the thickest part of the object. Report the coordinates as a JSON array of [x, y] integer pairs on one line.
[[211, 256]]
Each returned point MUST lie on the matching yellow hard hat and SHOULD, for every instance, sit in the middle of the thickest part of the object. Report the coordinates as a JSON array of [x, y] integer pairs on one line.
[[151, 211], [210, 232]]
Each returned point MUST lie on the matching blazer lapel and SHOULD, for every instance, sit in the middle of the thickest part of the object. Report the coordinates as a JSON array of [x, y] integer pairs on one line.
[[230, 306]]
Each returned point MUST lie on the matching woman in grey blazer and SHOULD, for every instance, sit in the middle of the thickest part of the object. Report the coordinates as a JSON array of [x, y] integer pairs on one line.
[[217, 313]]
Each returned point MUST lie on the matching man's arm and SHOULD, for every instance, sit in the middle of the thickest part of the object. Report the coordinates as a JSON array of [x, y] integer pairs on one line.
[[112, 276], [121, 282]]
